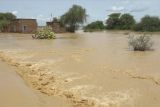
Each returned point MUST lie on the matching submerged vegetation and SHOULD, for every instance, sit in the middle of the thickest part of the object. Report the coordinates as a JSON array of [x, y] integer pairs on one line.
[[45, 33], [140, 43]]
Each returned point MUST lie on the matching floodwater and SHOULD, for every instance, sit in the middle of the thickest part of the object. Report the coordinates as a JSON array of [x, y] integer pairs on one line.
[[88, 69], [14, 92]]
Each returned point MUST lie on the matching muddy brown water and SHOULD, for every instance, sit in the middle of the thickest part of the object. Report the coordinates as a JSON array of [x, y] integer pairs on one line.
[[14, 92], [97, 67]]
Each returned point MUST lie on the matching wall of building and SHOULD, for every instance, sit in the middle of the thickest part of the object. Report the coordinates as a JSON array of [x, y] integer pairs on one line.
[[56, 27], [22, 26]]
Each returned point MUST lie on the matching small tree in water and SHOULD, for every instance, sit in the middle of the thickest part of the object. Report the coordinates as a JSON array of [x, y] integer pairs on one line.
[[140, 43]]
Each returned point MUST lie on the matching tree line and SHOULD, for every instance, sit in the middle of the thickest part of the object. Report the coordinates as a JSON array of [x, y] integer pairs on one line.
[[118, 21], [76, 16]]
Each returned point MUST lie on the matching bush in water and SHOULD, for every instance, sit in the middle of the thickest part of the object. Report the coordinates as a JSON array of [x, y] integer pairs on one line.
[[45, 33], [140, 43]]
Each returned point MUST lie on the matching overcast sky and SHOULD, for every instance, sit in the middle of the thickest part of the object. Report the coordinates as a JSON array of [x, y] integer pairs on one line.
[[96, 9]]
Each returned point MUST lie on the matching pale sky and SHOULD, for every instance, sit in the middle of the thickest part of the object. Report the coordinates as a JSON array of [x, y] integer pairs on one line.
[[96, 9]]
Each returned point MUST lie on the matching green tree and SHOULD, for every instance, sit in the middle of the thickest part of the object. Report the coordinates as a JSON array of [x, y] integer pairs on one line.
[[118, 21], [73, 18], [148, 23], [5, 19], [113, 22], [127, 22], [94, 26]]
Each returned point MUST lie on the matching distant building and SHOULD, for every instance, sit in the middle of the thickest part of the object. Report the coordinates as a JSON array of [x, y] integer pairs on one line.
[[22, 26], [56, 26]]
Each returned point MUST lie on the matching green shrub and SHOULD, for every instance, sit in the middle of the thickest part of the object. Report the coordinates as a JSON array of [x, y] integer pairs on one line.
[[94, 26], [45, 33], [140, 43]]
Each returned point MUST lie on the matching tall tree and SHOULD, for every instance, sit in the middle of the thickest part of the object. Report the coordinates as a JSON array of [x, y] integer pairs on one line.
[[127, 22], [5, 19], [118, 21], [74, 17], [113, 21]]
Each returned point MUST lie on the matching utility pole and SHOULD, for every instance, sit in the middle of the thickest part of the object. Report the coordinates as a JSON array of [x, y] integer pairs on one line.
[[51, 18]]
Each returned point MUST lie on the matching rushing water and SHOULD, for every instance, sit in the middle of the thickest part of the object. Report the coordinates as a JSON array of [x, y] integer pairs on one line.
[[98, 66], [15, 93]]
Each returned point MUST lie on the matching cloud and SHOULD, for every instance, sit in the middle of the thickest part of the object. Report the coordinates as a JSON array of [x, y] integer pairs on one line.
[[122, 9], [126, 1], [139, 9], [14, 12], [41, 19], [116, 9]]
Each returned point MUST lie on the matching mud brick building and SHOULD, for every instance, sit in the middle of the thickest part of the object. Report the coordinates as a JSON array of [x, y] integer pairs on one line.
[[56, 26], [22, 26]]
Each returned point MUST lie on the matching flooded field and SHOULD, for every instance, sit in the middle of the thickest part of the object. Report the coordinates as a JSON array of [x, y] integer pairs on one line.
[[88, 69]]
